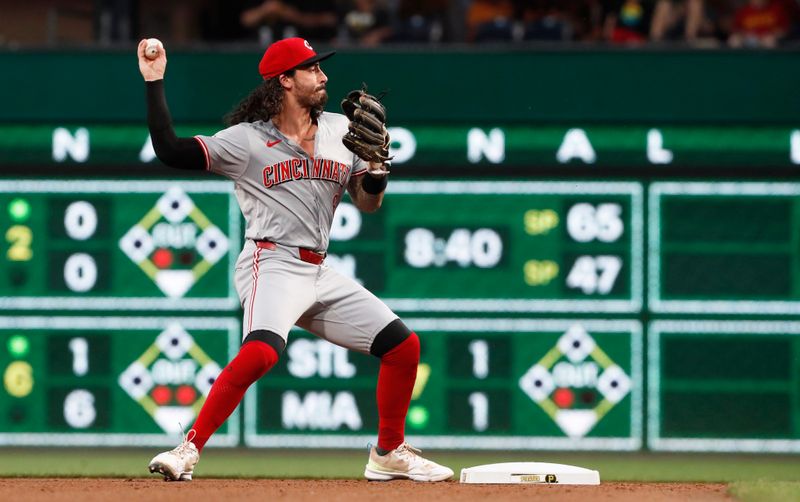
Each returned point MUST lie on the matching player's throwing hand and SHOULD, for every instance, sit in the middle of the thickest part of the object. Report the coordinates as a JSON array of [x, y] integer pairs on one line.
[[152, 69]]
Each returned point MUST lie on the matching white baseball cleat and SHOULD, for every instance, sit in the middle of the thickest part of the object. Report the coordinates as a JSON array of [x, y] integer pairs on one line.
[[177, 464], [404, 462]]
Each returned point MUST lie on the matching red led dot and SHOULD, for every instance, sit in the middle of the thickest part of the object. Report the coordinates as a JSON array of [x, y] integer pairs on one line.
[[563, 398], [187, 258], [186, 395], [161, 395], [162, 258]]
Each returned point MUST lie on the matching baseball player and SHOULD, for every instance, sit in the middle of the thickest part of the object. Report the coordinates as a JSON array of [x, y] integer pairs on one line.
[[291, 162]]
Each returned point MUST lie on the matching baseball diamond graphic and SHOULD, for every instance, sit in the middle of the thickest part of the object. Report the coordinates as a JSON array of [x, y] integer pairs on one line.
[[165, 244], [566, 383], [170, 386]]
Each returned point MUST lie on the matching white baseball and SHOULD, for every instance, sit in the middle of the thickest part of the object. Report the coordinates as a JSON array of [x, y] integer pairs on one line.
[[153, 49]]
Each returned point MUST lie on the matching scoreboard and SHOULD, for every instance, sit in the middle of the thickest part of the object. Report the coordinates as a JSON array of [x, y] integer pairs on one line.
[[498, 247], [117, 245], [724, 386], [111, 381], [727, 248], [556, 314], [481, 383]]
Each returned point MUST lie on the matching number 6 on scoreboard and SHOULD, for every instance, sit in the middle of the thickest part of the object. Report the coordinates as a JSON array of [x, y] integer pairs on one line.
[[79, 409]]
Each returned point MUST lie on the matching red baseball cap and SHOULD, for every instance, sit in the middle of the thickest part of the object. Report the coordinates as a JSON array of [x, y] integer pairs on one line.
[[288, 54]]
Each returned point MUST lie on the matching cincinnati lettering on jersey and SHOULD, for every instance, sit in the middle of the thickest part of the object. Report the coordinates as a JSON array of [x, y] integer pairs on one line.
[[303, 169]]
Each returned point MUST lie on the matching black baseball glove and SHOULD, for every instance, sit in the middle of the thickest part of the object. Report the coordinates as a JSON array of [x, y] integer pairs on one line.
[[367, 136]]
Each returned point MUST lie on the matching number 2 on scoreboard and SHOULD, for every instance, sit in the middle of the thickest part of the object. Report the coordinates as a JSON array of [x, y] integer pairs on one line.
[[19, 237]]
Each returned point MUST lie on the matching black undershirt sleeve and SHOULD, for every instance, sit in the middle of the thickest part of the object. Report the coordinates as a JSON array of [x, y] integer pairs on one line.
[[373, 185], [182, 153]]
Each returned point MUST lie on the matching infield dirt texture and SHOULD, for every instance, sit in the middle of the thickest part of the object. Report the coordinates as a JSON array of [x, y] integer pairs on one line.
[[154, 490]]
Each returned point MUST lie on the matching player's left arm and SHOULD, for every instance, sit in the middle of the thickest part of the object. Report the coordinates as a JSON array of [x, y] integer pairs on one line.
[[367, 190]]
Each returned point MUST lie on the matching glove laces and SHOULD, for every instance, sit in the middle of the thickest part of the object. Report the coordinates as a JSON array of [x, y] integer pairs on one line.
[[380, 96]]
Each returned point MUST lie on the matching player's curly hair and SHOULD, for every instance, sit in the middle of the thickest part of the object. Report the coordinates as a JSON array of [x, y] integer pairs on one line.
[[263, 103]]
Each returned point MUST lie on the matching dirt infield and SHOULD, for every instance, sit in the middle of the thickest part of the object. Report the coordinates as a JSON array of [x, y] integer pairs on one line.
[[153, 490]]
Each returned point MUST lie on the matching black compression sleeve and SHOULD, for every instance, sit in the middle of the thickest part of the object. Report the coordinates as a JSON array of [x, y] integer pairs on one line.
[[183, 153], [373, 185]]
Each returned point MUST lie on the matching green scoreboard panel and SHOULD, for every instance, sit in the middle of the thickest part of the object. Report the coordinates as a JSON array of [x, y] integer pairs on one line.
[[110, 381], [481, 383], [118, 245], [724, 386], [726, 248], [497, 246], [443, 254]]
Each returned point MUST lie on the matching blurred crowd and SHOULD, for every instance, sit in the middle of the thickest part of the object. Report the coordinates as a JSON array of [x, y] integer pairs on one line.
[[738, 23], [715, 23]]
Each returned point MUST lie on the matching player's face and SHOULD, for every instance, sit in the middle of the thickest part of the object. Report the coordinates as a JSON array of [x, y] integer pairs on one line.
[[310, 86]]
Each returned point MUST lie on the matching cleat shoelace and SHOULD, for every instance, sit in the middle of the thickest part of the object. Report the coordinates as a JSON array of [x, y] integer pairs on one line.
[[405, 450], [185, 447]]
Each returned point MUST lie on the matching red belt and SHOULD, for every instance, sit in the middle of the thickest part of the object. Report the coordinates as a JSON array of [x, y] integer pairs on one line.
[[306, 255]]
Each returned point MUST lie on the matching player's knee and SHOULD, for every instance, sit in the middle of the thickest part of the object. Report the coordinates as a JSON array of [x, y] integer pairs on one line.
[[253, 361], [262, 349], [405, 354], [396, 344], [272, 339], [389, 337]]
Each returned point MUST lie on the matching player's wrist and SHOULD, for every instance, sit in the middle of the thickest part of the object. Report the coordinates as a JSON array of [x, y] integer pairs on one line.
[[378, 169], [374, 184]]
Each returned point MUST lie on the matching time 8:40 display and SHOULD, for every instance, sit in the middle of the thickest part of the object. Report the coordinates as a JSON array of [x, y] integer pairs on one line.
[[117, 245], [494, 246], [481, 383]]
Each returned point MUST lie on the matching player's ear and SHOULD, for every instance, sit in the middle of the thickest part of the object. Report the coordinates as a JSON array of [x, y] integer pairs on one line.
[[286, 81]]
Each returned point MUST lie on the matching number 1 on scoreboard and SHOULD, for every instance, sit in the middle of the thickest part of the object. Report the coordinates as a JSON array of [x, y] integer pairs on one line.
[[80, 356]]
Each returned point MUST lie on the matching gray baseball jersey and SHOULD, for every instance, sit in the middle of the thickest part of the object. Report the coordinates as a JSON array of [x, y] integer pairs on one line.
[[288, 198], [285, 195]]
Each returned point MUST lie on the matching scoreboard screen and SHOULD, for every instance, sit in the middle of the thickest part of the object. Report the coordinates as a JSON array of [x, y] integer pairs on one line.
[[497, 247], [728, 248], [724, 386], [110, 381], [118, 245], [481, 383]]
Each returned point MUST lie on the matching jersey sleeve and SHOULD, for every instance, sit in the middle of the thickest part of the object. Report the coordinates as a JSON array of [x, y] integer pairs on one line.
[[227, 152], [340, 122], [359, 165]]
